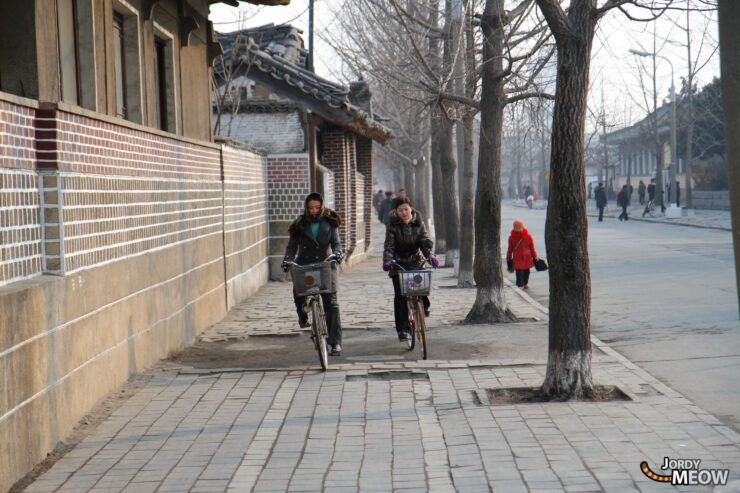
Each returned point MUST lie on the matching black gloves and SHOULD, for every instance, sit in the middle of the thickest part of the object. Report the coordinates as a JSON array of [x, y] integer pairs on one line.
[[510, 265]]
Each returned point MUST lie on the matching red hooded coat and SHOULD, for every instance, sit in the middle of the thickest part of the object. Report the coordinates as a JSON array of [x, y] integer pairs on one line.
[[524, 252]]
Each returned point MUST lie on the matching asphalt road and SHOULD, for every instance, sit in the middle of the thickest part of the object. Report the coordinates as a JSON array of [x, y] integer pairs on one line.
[[664, 296]]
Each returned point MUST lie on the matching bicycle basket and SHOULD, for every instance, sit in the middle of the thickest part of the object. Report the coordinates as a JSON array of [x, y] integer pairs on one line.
[[416, 282], [312, 279]]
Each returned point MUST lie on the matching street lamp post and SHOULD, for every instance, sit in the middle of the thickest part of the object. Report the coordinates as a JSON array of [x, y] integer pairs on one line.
[[673, 167]]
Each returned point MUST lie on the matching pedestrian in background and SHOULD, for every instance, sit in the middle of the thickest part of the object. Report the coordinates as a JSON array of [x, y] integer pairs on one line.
[[521, 254], [601, 201], [623, 201], [386, 207], [641, 192]]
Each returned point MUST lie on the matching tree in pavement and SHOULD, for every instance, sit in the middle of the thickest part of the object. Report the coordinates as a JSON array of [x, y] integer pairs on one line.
[[501, 34], [729, 46], [569, 350]]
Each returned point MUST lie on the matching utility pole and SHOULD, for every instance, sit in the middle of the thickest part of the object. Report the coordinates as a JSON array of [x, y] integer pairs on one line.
[[310, 35]]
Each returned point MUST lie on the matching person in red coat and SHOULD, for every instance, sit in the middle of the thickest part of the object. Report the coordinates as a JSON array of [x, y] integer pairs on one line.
[[520, 254]]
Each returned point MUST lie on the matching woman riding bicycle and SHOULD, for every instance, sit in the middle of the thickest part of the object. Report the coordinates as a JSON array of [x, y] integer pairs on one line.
[[313, 237], [408, 244]]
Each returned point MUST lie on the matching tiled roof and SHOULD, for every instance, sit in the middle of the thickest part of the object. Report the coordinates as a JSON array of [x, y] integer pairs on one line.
[[275, 55]]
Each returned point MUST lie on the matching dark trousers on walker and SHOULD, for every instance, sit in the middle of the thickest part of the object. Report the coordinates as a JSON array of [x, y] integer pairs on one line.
[[331, 308], [522, 277], [601, 214], [400, 308], [624, 215]]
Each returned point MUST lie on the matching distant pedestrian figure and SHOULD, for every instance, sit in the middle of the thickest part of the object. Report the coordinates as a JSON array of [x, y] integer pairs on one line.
[[386, 207], [678, 194], [600, 196], [651, 196], [590, 187], [402, 194], [623, 201], [641, 192], [521, 254]]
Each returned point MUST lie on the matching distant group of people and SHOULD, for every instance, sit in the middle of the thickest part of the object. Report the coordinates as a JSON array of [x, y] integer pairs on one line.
[[383, 203], [624, 198]]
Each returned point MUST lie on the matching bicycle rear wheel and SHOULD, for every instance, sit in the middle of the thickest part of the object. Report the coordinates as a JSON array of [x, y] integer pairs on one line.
[[318, 327], [410, 342], [421, 328]]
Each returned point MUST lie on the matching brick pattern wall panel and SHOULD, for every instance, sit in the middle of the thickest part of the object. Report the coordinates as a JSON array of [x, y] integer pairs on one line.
[[108, 218], [86, 145], [288, 179], [336, 157], [272, 133], [245, 222], [365, 166], [359, 212], [17, 134], [20, 226]]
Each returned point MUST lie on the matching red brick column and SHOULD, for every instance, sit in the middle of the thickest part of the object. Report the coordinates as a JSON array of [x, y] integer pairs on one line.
[[336, 158], [364, 149]]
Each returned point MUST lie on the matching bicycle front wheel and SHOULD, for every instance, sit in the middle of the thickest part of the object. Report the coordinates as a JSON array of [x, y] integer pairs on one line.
[[421, 328], [410, 342], [318, 326]]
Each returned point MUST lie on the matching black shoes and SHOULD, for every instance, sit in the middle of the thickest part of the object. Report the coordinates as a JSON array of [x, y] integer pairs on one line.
[[336, 350], [403, 336], [303, 323]]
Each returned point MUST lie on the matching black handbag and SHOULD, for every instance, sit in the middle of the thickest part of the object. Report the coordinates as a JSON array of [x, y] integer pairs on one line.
[[540, 264]]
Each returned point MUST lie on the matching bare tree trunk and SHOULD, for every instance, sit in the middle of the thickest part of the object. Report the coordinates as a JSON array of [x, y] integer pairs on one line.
[[729, 46], [440, 237], [465, 277], [448, 166], [448, 163], [408, 179], [440, 225], [490, 304], [569, 350]]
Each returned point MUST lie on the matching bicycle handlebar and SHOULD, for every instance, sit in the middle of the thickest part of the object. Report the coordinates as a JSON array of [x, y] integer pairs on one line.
[[425, 262], [292, 263]]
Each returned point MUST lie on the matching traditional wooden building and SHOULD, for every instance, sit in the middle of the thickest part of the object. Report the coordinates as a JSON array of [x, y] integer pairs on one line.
[[124, 229], [269, 99]]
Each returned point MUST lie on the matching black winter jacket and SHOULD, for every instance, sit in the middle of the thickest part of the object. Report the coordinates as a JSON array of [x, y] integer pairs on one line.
[[303, 248], [407, 244]]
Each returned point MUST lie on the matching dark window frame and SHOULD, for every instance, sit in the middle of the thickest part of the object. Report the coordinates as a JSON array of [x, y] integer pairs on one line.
[[119, 40]]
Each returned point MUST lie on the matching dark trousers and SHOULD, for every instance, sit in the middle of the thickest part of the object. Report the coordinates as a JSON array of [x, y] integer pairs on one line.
[[522, 277], [331, 308], [624, 215], [601, 214], [400, 308]]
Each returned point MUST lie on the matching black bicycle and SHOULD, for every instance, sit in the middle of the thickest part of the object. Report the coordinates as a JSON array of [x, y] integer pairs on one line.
[[414, 285], [311, 280]]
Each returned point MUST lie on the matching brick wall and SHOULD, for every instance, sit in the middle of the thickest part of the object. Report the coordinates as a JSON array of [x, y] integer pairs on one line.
[[288, 178], [272, 133], [150, 237], [365, 166], [336, 157], [20, 222], [245, 223]]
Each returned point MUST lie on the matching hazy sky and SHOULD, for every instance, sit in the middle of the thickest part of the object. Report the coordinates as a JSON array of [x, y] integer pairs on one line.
[[614, 70]]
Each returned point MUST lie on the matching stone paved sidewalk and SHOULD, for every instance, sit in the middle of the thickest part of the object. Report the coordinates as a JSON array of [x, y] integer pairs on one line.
[[392, 425]]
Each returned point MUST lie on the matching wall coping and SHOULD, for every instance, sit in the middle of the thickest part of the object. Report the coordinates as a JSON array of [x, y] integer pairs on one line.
[[113, 120], [19, 100]]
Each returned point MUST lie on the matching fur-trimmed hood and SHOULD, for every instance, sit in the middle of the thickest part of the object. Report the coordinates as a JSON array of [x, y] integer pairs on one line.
[[299, 224]]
